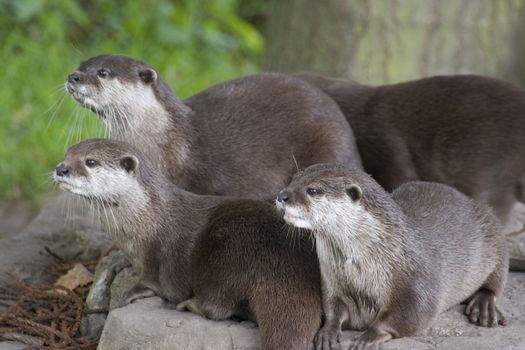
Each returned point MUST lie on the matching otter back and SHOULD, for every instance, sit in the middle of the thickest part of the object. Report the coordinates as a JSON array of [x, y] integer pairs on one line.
[[248, 263], [244, 137], [390, 264], [465, 131]]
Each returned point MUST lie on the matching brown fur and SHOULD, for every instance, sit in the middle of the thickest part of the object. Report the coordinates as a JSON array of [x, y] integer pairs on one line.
[[465, 131], [395, 262], [264, 272], [243, 137], [246, 261]]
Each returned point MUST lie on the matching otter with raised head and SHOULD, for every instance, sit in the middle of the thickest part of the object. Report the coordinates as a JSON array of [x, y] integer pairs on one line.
[[257, 272], [390, 264], [465, 131], [243, 137]]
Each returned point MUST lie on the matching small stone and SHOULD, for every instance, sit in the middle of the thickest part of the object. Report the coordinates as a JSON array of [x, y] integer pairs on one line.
[[123, 282], [100, 293]]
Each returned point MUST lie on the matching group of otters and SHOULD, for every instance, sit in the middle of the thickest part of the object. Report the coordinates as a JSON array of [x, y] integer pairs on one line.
[[307, 204]]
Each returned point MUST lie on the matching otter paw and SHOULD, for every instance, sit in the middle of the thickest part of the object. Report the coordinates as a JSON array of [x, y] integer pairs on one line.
[[189, 305], [118, 262], [328, 338], [371, 339], [482, 310], [138, 291]]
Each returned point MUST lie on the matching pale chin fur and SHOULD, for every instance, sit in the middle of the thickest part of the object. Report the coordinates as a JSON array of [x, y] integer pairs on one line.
[[81, 94], [100, 180], [69, 184], [134, 102], [294, 217], [131, 112]]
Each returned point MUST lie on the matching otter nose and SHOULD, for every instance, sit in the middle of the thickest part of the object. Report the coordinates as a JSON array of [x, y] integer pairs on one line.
[[62, 170], [73, 78], [283, 196]]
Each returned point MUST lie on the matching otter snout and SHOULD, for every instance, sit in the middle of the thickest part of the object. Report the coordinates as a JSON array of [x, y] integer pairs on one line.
[[283, 196], [62, 170], [73, 78], [74, 81]]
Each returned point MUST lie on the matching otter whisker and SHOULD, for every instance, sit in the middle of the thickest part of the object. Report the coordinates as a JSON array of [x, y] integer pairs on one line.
[[69, 134], [55, 109]]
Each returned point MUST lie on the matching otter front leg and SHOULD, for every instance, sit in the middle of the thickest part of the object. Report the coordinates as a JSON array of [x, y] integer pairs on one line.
[[212, 311], [482, 309], [335, 314], [407, 316]]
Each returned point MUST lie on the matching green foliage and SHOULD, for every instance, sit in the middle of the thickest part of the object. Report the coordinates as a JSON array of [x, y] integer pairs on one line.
[[193, 43]]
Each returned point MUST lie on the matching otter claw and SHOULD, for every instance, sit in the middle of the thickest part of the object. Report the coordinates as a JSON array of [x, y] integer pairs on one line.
[[327, 339], [482, 310], [371, 339]]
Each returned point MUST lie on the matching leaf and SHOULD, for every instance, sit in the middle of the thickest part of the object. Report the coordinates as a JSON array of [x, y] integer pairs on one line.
[[76, 276]]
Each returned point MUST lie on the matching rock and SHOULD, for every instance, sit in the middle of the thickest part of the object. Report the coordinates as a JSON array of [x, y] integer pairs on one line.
[[100, 293], [151, 324], [516, 219], [14, 216], [12, 345], [515, 232], [122, 283], [67, 227]]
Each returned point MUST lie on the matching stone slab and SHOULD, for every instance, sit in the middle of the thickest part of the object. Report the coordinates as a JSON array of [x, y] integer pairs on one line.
[[151, 324]]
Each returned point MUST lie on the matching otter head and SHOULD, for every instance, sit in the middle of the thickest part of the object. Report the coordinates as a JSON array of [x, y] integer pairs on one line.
[[116, 88], [322, 196], [104, 171]]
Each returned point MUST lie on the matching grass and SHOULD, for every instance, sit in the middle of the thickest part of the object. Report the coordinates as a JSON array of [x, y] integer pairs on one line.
[[191, 43]]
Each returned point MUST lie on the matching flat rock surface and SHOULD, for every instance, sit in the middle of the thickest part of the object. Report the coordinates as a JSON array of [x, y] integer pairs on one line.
[[11, 345], [151, 324]]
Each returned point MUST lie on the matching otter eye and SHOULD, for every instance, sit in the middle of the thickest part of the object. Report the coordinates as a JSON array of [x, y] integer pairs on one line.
[[90, 163], [103, 72], [313, 191]]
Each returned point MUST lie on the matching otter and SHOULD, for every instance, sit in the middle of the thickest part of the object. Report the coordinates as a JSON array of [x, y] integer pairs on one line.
[[464, 131], [391, 263], [251, 269], [241, 138], [247, 263]]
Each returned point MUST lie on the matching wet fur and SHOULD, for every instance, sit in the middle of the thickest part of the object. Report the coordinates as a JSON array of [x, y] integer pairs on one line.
[[465, 131], [390, 264], [238, 138]]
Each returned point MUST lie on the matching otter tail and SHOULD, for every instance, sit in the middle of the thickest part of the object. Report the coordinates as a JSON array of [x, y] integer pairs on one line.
[[288, 324]]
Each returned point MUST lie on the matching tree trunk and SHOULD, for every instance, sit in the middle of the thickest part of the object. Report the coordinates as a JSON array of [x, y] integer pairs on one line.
[[378, 42], [310, 35], [515, 69]]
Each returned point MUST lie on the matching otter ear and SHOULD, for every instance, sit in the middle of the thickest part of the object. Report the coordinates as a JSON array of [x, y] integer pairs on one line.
[[129, 163], [354, 192], [148, 75]]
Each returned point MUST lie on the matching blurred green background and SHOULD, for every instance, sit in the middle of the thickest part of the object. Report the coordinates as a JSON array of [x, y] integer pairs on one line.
[[193, 44]]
